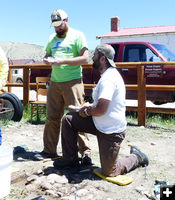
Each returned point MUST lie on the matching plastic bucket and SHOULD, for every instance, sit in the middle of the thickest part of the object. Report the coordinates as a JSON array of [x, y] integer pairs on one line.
[[6, 157]]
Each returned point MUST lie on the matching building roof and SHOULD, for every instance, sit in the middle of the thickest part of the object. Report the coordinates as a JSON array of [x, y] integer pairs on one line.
[[24, 61], [140, 31]]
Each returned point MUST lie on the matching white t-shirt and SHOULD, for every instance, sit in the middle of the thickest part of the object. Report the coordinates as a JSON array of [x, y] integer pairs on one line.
[[110, 87]]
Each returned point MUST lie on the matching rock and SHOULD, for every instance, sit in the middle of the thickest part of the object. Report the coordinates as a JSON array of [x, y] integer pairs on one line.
[[37, 182], [140, 189], [90, 197], [81, 192], [20, 159], [52, 193], [70, 197], [36, 138], [55, 178], [51, 178], [31, 187], [73, 189], [39, 172], [29, 135], [62, 179], [152, 143], [42, 179], [64, 190], [60, 194], [50, 170], [46, 186], [31, 178]]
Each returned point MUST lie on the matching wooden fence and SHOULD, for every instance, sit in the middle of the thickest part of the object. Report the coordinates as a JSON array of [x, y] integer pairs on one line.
[[141, 86]]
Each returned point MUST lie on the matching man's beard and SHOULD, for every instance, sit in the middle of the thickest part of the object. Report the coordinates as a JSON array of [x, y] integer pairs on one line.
[[62, 33], [96, 64]]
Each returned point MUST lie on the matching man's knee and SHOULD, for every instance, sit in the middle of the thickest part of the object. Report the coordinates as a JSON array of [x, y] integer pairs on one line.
[[111, 170], [110, 173], [106, 171]]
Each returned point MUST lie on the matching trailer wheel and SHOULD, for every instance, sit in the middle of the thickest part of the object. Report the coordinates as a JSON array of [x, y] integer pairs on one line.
[[11, 101]]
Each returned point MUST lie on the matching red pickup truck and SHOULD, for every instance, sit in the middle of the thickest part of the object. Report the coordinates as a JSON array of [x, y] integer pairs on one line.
[[146, 52], [137, 52], [142, 52]]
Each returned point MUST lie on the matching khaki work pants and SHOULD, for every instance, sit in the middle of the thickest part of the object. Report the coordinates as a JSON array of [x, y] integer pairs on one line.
[[109, 145], [59, 96]]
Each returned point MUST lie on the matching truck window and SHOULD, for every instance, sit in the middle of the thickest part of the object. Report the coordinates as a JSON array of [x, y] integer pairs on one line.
[[151, 57], [170, 56], [132, 55], [116, 48], [139, 53]]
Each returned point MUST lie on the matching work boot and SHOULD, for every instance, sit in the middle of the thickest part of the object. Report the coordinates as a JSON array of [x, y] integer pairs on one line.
[[86, 160], [43, 155], [61, 163], [142, 158]]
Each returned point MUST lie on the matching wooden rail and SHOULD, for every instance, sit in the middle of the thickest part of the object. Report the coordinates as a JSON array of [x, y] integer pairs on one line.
[[141, 86]]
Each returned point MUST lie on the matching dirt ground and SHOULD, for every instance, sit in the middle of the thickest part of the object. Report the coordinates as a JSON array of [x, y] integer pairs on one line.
[[157, 143]]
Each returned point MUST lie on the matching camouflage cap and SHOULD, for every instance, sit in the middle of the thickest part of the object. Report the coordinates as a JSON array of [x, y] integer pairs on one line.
[[108, 51], [57, 17]]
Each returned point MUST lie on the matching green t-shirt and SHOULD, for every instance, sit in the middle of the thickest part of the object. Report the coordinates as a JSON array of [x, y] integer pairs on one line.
[[67, 47]]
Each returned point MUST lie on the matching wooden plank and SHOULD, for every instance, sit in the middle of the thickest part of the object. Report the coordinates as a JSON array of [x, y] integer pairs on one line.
[[89, 86], [21, 84], [153, 109], [131, 87], [141, 92], [10, 79], [128, 86], [26, 87], [161, 87]]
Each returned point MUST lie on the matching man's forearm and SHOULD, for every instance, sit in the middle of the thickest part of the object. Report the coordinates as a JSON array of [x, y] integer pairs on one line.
[[80, 60], [98, 110]]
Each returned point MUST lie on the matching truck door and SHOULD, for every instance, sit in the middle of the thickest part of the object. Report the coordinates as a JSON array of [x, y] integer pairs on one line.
[[116, 48], [136, 53]]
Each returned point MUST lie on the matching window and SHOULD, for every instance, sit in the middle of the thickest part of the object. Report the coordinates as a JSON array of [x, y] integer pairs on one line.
[[116, 48], [139, 53]]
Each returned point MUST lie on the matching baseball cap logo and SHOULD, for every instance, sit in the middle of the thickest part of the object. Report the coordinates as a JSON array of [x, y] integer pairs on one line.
[[55, 18]]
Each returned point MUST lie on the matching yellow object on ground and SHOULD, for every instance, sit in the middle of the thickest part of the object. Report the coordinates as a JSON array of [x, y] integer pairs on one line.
[[120, 179]]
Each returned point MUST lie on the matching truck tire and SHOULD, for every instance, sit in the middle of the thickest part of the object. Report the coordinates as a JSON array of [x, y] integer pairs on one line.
[[12, 101], [19, 80]]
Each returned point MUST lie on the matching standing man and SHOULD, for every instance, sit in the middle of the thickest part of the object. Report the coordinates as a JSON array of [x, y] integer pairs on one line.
[[105, 119], [4, 67], [66, 51]]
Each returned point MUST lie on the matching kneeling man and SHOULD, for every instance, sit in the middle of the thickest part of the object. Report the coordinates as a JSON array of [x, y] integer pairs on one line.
[[105, 119]]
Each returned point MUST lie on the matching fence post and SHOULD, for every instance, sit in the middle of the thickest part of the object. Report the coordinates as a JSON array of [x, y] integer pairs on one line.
[[26, 86], [10, 79], [141, 93]]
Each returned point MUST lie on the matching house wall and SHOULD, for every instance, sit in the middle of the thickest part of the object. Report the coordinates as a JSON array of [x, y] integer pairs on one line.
[[166, 39]]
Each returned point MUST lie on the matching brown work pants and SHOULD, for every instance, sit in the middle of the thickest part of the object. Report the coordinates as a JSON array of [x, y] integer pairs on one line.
[[59, 96], [109, 145]]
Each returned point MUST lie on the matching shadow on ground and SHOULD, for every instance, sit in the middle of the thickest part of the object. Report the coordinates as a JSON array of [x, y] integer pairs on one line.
[[73, 174]]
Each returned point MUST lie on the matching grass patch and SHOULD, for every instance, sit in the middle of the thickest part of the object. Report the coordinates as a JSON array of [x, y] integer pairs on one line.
[[153, 119]]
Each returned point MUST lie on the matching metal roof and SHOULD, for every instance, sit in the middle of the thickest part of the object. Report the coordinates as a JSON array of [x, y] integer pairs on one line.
[[140, 31]]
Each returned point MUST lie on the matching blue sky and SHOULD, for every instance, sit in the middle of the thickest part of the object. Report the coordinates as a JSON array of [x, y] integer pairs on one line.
[[28, 21]]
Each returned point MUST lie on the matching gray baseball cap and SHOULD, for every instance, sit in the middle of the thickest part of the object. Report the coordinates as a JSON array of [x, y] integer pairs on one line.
[[108, 52], [57, 17]]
